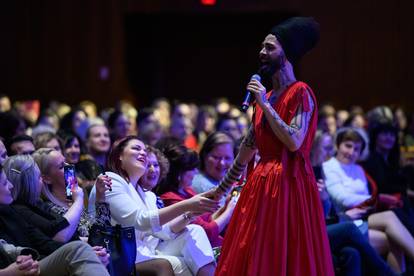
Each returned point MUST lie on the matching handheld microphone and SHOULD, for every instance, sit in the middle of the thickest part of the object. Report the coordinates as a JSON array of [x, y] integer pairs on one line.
[[246, 102]]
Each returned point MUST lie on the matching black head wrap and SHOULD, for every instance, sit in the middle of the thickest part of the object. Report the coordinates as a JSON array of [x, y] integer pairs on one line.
[[297, 35]]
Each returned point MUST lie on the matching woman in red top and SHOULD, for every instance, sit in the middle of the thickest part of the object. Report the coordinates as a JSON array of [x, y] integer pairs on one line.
[[277, 227], [177, 187]]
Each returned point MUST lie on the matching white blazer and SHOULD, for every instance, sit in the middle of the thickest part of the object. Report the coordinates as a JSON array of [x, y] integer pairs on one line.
[[130, 207]]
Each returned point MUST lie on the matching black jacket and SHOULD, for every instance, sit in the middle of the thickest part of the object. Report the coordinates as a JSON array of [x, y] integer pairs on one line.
[[15, 230]]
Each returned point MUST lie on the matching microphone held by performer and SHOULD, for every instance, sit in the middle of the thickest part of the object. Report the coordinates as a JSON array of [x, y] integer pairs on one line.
[[246, 101]]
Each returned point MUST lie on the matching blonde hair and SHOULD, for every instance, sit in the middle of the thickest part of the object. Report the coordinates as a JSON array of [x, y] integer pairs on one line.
[[42, 157], [24, 174]]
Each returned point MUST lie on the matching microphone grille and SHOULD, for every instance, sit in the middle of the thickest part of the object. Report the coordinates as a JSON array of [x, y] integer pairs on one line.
[[256, 77]]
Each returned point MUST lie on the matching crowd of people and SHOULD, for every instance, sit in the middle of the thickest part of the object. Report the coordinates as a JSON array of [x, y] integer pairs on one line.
[[161, 164], [292, 187]]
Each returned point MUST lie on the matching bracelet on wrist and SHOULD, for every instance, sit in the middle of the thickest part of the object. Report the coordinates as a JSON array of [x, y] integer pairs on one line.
[[187, 217]]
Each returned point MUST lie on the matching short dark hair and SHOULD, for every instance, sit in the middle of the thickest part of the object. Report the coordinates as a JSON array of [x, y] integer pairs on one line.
[[181, 160], [385, 127], [144, 113], [224, 117], [350, 134], [16, 139], [113, 117], [67, 137], [67, 120]]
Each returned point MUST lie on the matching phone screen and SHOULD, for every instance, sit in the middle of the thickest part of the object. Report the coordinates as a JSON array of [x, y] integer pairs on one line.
[[70, 179]]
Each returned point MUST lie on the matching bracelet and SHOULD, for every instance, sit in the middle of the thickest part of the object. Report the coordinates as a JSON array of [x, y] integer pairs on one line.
[[187, 217]]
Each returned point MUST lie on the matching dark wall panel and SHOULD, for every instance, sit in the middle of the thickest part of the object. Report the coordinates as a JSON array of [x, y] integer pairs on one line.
[[56, 49]]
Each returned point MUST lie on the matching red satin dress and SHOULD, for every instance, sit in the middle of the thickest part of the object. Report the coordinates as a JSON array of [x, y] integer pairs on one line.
[[277, 227]]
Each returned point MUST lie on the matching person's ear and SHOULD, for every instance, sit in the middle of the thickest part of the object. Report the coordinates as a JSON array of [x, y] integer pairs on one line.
[[46, 179]]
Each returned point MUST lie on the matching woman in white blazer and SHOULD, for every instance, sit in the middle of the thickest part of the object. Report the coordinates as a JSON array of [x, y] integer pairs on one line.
[[160, 233]]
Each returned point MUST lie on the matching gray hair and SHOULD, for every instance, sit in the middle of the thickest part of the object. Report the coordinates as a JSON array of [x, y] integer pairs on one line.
[[24, 174]]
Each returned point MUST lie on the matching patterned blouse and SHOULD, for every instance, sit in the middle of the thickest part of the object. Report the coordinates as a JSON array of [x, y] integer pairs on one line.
[[103, 216]]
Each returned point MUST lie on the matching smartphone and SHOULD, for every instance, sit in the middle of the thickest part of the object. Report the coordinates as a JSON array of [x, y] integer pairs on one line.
[[70, 179], [317, 170]]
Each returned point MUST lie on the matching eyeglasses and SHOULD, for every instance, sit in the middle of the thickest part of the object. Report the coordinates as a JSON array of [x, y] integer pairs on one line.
[[226, 159]]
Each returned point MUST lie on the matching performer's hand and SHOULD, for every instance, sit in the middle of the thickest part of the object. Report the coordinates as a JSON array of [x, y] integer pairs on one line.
[[215, 194], [200, 204], [322, 189], [258, 90]]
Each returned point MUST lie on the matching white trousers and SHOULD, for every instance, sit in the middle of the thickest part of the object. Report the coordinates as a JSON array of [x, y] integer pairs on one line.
[[188, 252]]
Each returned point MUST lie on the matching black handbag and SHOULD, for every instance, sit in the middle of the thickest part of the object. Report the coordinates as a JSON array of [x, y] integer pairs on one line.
[[120, 243]]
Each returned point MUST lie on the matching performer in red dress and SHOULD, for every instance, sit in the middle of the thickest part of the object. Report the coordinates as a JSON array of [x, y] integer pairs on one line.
[[278, 227]]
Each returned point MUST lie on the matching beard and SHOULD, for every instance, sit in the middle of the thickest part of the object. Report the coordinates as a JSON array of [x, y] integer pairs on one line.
[[268, 69]]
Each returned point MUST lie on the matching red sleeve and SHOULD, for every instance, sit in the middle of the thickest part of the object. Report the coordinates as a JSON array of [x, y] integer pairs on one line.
[[302, 98], [209, 225], [170, 198]]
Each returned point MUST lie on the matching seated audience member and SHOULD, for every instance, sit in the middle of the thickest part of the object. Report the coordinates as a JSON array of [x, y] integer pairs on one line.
[[327, 123], [206, 122], [181, 110], [229, 125], [341, 116], [12, 124], [383, 165], [48, 118], [73, 121], [21, 244], [347, 185], [48, 121], [119, 125], [90, 109], [160, 233], [24, 174], [72, 146], [356, 120], [47, 140], [157, 169], [3, 152], [5, 104], [322, 149], [148, 126], [379, 115], [181, 128], [145, 116], [21, 144], [216, 157], [243, 123], [50, 163], [177, 187], [162, 109], [351, 252], [98, 143]]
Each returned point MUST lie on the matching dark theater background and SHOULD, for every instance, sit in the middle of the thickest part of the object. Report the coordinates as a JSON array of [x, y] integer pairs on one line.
[[105, 50]]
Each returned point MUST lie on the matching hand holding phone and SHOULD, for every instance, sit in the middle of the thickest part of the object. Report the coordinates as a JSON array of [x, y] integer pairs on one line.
[[70, 179]]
